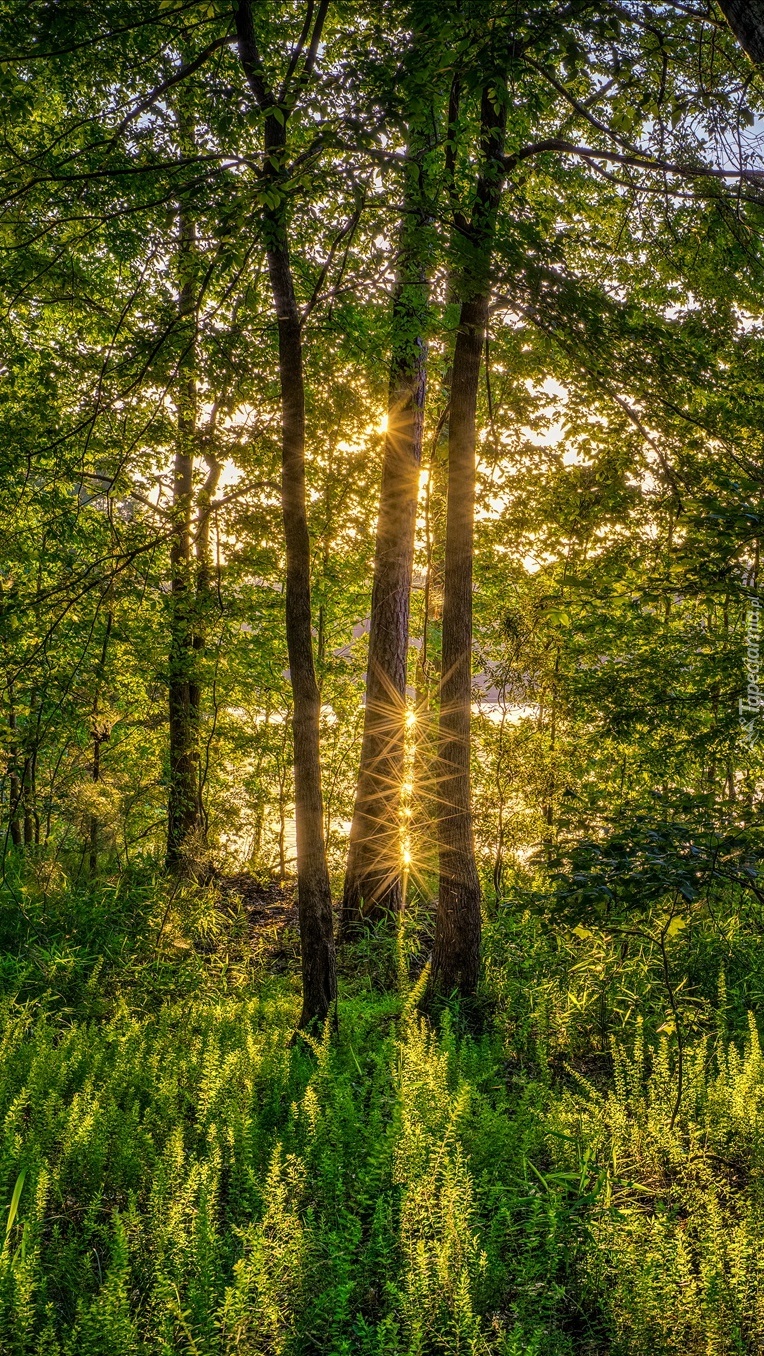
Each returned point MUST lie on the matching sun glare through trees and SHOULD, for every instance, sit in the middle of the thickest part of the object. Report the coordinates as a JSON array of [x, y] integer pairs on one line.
[[381, 734]]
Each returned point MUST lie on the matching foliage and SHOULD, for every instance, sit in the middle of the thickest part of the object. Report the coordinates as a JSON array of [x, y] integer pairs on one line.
[[574, 1163], [177, 1176]]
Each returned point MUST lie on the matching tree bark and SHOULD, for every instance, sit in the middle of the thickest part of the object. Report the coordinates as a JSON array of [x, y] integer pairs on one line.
[[456, 955], [372, 889], [183, 815], [456, 950], [314, 899], [202, 607], [31, 817], [99, 733], [15, 784], [319, 981], [24, 820], [746, 19]]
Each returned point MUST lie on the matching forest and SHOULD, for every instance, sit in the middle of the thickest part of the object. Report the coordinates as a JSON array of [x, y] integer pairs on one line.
[[381, 758]]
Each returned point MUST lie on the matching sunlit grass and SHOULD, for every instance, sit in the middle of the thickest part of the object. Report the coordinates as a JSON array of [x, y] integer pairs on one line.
[[177, 1176]]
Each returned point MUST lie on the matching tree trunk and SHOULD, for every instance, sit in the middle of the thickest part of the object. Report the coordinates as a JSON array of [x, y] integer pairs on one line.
[[15, 784], [29, 773], [183, 816], [373, 876], [202, 607], [99, 733], [456, 955], [456, 951], [29, 837], [746, 19], [313, 890], [319, 979]]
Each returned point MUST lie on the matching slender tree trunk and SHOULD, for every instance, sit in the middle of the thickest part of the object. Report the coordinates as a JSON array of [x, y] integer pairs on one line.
[[319, 980], [16, 837], [27, 800], [313, 890], [202, 606], [373, 875], [31, 818], [15, 783], [183, 801], [94, 828], [100, 732], [24, 819], [283, 771], [456, 950], [498, 861]]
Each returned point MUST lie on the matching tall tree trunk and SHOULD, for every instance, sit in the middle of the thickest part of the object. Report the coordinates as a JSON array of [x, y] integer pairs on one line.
[[183, 816], [456, 951], [29, 772], [319, 979], [202, 607], [99, 733], [27, 795], [456, 955], [313, 890], [373, 876], [15, 783], [425, 790]]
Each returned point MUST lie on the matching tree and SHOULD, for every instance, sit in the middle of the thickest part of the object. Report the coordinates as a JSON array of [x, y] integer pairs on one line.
[[314, 893], [456, 950], [372, 887], [746, 19], [184, 809]]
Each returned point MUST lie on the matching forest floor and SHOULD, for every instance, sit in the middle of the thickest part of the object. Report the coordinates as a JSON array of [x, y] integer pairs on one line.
[[179, 1176], [270, 908]]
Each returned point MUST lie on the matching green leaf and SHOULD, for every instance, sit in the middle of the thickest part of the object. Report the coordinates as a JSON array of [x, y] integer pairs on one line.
[[13, 1208]]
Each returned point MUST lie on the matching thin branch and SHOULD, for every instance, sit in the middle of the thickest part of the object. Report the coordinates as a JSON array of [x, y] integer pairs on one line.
[[297, 51], [175, 79], [310, 59], [638, 160], [100, 37], [347, 229]]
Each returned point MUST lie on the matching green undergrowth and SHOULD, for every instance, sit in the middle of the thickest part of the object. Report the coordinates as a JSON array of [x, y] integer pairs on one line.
[[179, 1176]]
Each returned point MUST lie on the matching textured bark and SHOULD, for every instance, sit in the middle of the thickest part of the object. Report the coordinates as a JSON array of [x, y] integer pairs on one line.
[[29, 822], [99, 733], [456, 955], [15, 784], [29, 772], [456, 951], [746, 19], [24, 821], [373, 876], [203, 604], [313, 890], [319, 983], [183, 814]]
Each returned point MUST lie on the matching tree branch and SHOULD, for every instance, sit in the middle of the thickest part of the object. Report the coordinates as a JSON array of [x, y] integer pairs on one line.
[[250, 56], [637, 159], [175, 79], [297, 52]]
